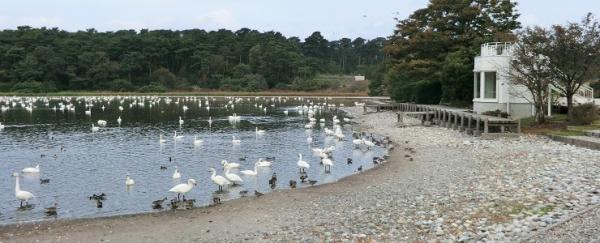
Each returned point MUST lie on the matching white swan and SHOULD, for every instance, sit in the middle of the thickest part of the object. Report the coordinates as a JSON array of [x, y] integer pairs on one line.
[[235, 141], [35, 169], [1, 126], [180, 121], [175, 136], [250, 172], [176, 174], [129, 181], [88, 112], [309, 140], [217, 179], [94, 128], [101, 123], [358, 142], [161, 139], [226, 164], [302, 164], [286, 112], [210, 121], [368, 143], [119, 120], [120, 108], [259, 132], [263, 163], [197, 141], [22, 195], [183, 188], [234, 178]]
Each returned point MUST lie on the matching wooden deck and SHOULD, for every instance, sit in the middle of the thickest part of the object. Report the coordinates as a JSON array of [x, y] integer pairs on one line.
[[450, 117]]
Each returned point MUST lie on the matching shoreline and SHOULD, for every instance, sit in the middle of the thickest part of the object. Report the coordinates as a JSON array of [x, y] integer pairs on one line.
[[438, 185], [199, 93]]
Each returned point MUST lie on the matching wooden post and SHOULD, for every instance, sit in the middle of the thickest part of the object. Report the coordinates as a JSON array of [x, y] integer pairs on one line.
[[485, 126], [469, 124], [519, 126], [455, 126], [477, 123]]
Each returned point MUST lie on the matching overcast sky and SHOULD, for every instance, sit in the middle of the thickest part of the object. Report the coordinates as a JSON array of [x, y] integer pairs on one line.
[[334, 18]]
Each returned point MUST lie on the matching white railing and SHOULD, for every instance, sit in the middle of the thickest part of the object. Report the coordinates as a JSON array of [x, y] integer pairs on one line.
[[496, 49]]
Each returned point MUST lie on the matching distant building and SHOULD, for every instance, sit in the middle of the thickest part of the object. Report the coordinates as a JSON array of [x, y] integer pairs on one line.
[[494, 91], [359, 78]]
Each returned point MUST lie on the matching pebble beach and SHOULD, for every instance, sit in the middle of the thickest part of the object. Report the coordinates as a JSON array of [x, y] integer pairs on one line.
[[438, 185]]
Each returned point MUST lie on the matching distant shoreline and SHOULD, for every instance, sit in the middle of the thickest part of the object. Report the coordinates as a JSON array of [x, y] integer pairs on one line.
[[199, 93]]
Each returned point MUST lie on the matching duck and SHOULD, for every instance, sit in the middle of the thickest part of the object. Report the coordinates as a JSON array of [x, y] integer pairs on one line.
[[235, 141], [250, 172], [52, 211], [263, 163], [197, 141], [176, 174], [302, 163], [259, 132], [217, 179], [101, 123], [227, 165], [35, 169], [183, 188], [158, 203], [234, 178], [23, 196], [94, 128], [129, 181]]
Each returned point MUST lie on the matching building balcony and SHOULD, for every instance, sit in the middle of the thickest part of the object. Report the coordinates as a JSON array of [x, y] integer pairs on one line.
[[496, 49]]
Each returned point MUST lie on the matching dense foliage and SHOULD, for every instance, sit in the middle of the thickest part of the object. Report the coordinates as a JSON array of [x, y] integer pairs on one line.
[[432, 51], [41, 59]]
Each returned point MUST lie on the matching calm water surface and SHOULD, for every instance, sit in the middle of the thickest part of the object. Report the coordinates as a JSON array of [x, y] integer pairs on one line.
[[94, 162]]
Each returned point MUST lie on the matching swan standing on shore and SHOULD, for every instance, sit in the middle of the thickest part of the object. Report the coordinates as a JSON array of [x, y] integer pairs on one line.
[[22, 195], [210, 121], [119, 120], [102, 123], [327, 163], [234, 178], [183, 188], [250, 172], [217, 179], [35, 169], [302, 164], [176, 174], [129, 181]]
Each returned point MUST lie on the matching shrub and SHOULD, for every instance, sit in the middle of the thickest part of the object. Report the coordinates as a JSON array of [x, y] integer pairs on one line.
[[584, 114], [153, 88], [497, 113], [29, 87], [255, 82], [121, 85]]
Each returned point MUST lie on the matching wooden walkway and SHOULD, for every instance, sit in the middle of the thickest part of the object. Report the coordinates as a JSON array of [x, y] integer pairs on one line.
[[450, 117]]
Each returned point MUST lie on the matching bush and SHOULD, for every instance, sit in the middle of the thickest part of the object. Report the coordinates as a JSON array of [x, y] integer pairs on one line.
[[584, 114], [497, 113], [5, 87], [121, 85], [153, 88], [29, 87], [255, 82]]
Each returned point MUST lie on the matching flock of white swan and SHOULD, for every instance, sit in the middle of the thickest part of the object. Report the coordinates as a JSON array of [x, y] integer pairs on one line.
[[227, 177]]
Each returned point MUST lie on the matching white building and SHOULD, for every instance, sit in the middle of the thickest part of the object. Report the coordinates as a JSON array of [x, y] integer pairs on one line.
[[494, 91]]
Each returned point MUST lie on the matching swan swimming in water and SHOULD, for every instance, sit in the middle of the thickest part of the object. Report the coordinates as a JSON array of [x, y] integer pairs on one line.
[[161, 140], [259, 132], [119, 120], [183, 188], [175, 136], [263, 163], [217, 179], [302, 163], [197, 141], [180, 121], [250, 172], [210, 121], [35, 169], [235, 141], [227, 165], [176, 174], [94, 128], [22, 195], [101, 123], [129, 181], [234, 178]]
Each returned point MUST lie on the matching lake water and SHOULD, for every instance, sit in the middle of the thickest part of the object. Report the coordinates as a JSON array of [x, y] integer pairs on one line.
[[94, 162]]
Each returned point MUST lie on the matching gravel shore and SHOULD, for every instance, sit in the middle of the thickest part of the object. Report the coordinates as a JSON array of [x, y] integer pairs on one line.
[[438, 184]]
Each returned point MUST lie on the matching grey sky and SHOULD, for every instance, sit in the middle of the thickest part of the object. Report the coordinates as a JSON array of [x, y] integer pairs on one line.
[[334, 18]]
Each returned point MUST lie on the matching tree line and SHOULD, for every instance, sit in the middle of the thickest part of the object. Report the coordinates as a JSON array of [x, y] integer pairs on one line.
[[50, 59]]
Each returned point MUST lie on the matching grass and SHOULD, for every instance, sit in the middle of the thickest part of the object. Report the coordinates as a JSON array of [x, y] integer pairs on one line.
[[192, 93], [556, 125]]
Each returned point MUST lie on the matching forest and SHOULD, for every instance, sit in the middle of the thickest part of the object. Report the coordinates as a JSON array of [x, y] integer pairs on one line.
[[36, 60]]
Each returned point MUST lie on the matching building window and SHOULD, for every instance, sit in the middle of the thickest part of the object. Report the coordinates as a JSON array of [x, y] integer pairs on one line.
[[477, 86], [490, 85]]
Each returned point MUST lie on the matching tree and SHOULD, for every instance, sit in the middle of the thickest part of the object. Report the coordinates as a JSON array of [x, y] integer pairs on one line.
[[438, 44], [531, 68], [574, 53]]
